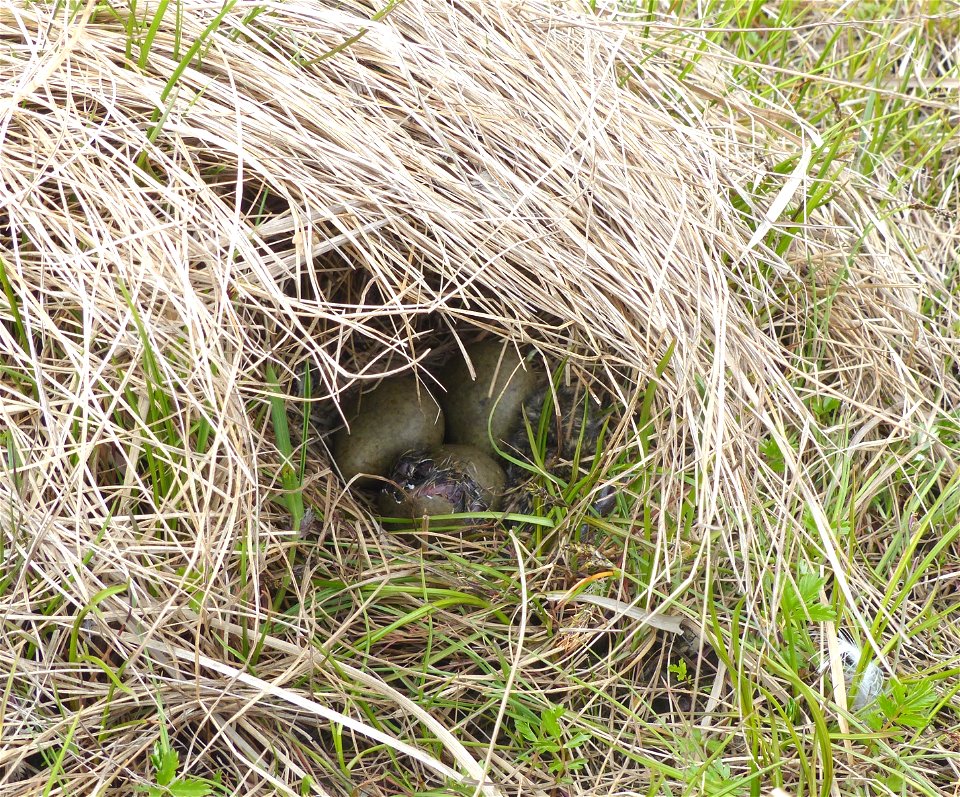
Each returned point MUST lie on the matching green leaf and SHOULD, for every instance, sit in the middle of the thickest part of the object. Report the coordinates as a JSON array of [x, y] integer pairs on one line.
[[549, 721], [770, 451], [190, 788], [577, 763], [167, 763], [909, 705], [550, 745], [802, 602], [526, 731]]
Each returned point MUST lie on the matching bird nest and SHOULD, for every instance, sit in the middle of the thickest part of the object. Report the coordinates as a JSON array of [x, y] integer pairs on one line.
[[202, 208]]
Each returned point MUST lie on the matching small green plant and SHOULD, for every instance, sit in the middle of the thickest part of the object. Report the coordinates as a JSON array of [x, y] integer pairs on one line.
[[800, 604], [824, 408], [679, 669], [166, 763], [547, 742], [716, 778], [708, 774], [907, 704], [292, 467], [773, 454]]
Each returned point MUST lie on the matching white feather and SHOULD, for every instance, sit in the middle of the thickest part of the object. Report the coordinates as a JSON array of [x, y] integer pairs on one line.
[[871, 680]]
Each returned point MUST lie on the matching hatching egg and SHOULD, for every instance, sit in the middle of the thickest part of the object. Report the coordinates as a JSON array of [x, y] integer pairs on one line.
[[447, 480]]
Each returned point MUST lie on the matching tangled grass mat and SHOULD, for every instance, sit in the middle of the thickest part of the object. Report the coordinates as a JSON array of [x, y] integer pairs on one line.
[[205, 205]]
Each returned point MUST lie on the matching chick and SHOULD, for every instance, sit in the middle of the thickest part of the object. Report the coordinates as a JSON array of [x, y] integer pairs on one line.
[[446, 480]]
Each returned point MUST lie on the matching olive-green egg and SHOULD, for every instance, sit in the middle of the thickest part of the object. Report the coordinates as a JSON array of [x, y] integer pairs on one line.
[[447, 480], [503, 383], [399, 414]]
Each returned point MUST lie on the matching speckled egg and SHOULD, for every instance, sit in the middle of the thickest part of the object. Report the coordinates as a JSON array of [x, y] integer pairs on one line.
[[491, 404], [398, 415]]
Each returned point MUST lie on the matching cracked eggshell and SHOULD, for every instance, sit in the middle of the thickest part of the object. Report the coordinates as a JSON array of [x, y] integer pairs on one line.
[[447, 480]]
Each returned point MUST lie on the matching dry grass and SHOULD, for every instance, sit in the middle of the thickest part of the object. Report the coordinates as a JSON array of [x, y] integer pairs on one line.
[[176, 222]]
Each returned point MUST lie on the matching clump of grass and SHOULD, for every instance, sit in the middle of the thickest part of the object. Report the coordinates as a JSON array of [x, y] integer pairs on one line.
[[737, 228]]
